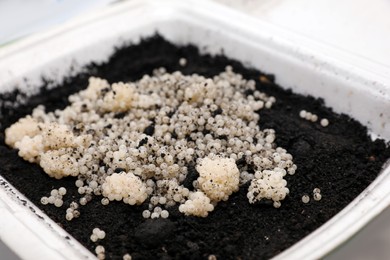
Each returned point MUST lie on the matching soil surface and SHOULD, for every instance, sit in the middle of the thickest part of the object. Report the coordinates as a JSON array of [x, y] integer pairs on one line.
[[340, 159]]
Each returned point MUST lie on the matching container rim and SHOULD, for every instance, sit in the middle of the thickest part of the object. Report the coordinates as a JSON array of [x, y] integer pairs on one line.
[[372, 201]]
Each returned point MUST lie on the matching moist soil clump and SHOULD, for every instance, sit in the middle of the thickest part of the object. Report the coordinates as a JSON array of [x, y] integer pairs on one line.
[[340, 159]]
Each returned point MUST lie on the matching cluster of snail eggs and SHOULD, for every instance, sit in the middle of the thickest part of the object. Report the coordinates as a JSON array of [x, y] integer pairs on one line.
[[135, 142]]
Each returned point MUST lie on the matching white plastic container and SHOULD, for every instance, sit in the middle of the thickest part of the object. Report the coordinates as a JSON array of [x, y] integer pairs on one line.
[[362, 92]]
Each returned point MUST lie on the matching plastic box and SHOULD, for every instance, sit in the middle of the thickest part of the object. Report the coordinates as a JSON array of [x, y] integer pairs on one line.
[[305, 66]]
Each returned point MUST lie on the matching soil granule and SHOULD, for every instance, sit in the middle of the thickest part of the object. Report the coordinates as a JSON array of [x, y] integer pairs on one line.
[[340, 159]]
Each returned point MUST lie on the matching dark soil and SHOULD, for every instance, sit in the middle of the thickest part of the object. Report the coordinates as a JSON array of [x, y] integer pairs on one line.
[[339, 159]]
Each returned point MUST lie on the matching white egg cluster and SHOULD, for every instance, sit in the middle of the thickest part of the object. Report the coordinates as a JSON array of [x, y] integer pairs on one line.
[[134, 142], [25, 127], [198, 204], [218, 177], [268, 184], [97, 234], [49, 144], [55, 197], [59, 163], [72, 212], [126, 187]]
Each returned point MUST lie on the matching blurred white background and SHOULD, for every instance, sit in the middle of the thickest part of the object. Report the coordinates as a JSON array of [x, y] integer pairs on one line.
[[22, 17]]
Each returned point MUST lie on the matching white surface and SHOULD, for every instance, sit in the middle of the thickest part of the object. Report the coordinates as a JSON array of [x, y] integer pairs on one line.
[[360, 27], [299, 62], [22, 17], [372, 242]]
